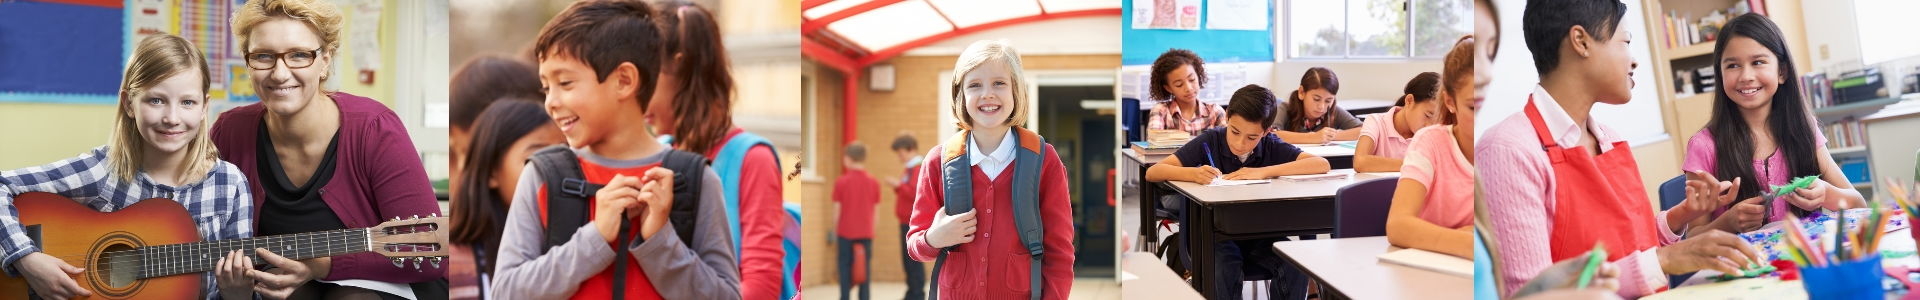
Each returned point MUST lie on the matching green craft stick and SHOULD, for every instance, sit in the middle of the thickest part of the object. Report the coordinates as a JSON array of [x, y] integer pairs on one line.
[[1594, 257], [1796, 184]]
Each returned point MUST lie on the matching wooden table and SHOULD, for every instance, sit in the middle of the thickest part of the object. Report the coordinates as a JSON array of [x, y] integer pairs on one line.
[[1277, 209], [1155, 280], [1348, 269], [1701, 283]]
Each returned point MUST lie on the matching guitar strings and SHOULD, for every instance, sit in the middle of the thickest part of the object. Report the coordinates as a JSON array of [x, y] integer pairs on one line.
[[190, 263]]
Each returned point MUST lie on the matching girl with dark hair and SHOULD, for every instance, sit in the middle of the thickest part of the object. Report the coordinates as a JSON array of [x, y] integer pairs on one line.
[[1310, 115], [1177, 78], [507, 132], [691, 109], [1384, 136], [1760, 136], [1433, 202]]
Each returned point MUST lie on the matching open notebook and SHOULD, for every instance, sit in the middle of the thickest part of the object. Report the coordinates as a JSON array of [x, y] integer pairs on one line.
[[1429, 260]]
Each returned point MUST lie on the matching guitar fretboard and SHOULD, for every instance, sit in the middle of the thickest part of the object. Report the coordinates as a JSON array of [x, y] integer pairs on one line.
[[164, 260]]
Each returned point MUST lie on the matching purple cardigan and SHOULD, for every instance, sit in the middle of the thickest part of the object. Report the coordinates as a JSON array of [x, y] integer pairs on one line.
[[378, 176]]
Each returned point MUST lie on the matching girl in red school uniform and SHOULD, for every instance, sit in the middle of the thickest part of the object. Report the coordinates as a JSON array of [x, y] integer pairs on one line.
[[994, 215]]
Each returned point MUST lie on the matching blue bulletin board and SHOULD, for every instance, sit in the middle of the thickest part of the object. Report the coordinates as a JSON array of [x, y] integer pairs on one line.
[[60, 52], [73, 51], [1142, 46]]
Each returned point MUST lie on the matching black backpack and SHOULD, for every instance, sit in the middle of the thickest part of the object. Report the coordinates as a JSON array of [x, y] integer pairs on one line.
[[568, 192]]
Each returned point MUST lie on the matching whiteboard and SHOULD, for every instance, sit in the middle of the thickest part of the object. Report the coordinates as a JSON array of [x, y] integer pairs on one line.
[[1640, 120]]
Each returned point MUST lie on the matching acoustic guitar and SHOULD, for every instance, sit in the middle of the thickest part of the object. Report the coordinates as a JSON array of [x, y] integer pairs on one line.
[[151, 249]]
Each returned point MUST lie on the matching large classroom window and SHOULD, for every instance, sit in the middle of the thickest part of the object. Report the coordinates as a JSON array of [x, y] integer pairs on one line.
[[1373, 29]]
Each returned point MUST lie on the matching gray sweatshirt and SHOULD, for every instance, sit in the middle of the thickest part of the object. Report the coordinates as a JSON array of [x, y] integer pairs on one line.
[[705, 270]]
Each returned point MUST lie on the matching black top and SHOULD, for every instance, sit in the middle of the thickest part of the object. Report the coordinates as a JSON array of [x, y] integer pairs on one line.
[[1268, 152], [289, 207]]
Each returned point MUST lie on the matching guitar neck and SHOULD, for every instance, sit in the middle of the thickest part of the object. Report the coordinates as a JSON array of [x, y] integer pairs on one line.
[[164, 260]]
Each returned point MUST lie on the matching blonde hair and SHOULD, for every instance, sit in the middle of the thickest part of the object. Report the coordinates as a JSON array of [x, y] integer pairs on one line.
[[157, 58], [980, 53], [321, 15]]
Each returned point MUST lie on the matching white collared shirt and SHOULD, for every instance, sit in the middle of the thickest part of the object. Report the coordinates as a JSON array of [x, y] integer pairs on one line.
[[1561, 126], [993, 163]]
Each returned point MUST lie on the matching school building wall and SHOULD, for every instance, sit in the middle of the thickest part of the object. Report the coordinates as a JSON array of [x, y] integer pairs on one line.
[[881, 115]]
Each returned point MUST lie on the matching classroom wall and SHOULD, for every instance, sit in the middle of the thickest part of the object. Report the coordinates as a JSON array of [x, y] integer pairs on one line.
[[84, 126], [1382, 80], [881, 115]]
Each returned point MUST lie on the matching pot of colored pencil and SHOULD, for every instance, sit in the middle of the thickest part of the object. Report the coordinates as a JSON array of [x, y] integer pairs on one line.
[[1850, 269]]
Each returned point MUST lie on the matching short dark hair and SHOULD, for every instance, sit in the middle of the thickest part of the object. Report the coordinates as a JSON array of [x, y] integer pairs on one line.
[[906, 142], [856, 151], [484, 79], [604, 33], [1254, 103], [1545, 24], [1173, 59]]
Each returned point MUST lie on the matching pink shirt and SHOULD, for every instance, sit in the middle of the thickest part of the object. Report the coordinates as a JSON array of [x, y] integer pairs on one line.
[[1519, 184], [1700, 150], [1387, 140], [1435, 160]]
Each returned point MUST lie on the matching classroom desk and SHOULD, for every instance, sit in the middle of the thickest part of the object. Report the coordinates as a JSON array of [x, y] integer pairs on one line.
[[1339, 157], [1348, 269], [1135, 167], [1701, 284], [1153, 279], [1277, 209]]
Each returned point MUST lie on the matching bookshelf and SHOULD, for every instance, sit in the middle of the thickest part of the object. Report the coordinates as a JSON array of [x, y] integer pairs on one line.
[[1690, 110]]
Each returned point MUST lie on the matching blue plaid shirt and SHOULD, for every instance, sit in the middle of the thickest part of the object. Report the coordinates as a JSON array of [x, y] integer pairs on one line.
[[220, 205]]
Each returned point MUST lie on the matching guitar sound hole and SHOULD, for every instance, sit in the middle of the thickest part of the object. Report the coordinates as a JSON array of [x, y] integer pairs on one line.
[[119, 266]]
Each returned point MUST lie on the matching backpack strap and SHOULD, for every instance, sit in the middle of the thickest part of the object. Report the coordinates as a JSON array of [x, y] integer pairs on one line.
[[689, 170], [956, 183], [568, 196], [728, 163], [1026, 202], [567, 193]]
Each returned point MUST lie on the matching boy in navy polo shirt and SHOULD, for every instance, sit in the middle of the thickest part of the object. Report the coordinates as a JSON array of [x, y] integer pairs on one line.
[[1244, 149]]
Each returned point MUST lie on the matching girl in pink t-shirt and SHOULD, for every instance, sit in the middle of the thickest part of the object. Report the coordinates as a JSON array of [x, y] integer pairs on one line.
[[1760, 136], [1384, 136], [1433, 205]]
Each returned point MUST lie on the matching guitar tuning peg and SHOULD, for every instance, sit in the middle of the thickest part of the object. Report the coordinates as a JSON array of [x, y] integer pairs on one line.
[[418, 262], [433, 215], [415, 217], [436, 261], [396, 218], [399, 262]]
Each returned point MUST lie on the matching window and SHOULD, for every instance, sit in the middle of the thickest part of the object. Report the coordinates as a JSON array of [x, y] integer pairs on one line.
[[1374, 28]]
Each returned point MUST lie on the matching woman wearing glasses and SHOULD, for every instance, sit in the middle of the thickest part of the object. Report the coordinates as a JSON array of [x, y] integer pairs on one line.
[[321, 160]]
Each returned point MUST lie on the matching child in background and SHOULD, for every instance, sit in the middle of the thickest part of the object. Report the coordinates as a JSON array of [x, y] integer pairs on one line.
[[854, 196], [1384, 136], [1310, 116], [476, 85], [693, 105], [1243, 149], [1177, 78], [1433, 205], [998, 166], [1589, 192], [508, 132], [907, 149], [1760, 136], [160, 148], [598, 62]]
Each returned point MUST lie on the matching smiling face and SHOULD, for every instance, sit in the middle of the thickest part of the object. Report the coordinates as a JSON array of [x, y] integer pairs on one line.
[[1318, 102], [1612, 66], [169, 114], [1750, 73], [988, 91], [1243, 135], [584, 107], [286, 90], [1183, 84]]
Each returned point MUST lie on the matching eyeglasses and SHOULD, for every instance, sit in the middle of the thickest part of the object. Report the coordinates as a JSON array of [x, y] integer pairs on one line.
[[295, 59]]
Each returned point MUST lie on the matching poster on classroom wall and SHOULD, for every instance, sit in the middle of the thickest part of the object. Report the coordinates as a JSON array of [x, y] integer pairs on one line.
[[1237, 14], [1166, 14]]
